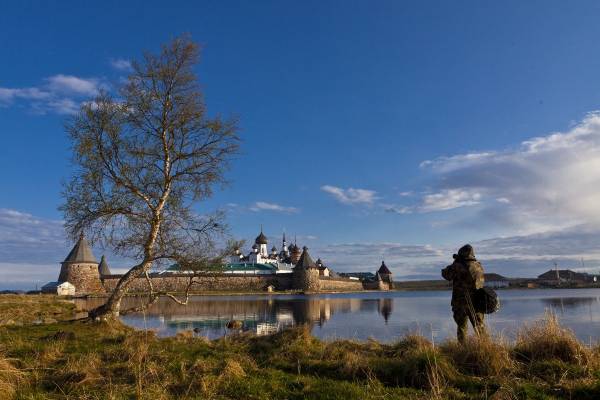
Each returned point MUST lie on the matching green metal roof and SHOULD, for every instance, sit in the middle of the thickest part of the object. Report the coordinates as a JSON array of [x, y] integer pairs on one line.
[[232, 267], [249, 267]]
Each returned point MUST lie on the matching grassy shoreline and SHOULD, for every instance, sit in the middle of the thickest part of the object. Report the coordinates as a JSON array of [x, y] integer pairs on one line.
[[61, 359]]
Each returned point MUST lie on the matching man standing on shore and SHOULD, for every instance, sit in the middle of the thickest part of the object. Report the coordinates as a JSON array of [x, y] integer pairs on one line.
[[466, 274]]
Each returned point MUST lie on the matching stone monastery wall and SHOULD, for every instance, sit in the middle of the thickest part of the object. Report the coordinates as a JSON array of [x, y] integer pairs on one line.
[[230, 282], [220, 282], [340, 284]]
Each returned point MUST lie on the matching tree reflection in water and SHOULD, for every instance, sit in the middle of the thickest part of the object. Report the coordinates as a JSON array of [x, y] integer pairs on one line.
[[259, 314]]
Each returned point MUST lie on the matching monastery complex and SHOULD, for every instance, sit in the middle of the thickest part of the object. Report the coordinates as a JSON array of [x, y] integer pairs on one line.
[[261, 269]]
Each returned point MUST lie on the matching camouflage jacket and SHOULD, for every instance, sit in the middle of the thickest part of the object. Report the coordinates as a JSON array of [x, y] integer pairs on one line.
[[466, 277]]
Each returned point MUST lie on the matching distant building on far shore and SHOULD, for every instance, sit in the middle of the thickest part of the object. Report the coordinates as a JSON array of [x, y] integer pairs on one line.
[[385, 273], [61, 289], [277, 261], [495, 281], [567, 276]]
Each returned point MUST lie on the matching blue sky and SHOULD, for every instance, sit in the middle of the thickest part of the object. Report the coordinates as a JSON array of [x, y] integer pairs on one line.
[[396, 130]]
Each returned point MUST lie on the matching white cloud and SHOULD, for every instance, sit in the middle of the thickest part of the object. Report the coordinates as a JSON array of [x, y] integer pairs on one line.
[[264, 206], [449, 199], [8, 95], [61, 94], [70, 84], [62, 106], [351, 195], [546, 183], [120, 64], [29, 239]]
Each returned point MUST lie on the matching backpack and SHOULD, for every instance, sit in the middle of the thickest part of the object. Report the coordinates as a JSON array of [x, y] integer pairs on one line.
[[485, 300]]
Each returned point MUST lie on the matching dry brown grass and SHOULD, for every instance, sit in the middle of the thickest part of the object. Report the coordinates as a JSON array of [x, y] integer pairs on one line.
[[420, 364], [144, 366], [184, 336], [25, 309], [51, 353], [480, 355], [412, 343], [548, 340], [78, 372], [10, 378], [232, 369]]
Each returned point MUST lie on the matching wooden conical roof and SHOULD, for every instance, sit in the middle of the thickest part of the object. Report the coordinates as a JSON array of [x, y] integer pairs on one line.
[[384, 269], [81, 252], [305, 260], [103, 268]]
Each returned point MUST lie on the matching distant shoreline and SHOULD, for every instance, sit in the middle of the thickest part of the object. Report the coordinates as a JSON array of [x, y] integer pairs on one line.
[[399, 286]]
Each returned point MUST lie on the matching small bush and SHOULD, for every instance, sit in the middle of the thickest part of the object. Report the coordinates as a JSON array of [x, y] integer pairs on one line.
[[548, 340], [415, 363], [479, 355]]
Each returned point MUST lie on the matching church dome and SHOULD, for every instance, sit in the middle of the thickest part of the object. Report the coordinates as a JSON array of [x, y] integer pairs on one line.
[[261, 239]]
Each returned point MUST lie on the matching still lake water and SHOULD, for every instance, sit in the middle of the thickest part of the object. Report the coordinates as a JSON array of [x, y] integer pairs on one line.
[[384, 316]]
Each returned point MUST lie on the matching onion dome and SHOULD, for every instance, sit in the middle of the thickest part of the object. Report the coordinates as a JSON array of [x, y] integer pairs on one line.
[[274, 249], [384, 269], [261, 239], [255, 247]]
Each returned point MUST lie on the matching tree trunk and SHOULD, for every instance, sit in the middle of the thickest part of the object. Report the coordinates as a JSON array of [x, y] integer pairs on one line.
[[112, 307]]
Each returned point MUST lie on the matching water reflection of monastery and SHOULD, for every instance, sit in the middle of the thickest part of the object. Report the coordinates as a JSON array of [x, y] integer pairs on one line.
[[262, 316]]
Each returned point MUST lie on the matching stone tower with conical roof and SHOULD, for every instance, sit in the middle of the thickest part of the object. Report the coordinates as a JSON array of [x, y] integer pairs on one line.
[[306, 273], [385, 273], [81, 269], [103, 268]]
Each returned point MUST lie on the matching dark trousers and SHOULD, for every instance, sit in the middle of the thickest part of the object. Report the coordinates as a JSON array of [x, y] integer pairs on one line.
[[464, 314]]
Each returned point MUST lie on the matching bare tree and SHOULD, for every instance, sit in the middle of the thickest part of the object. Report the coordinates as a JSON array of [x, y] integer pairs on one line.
[[142, 160]]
